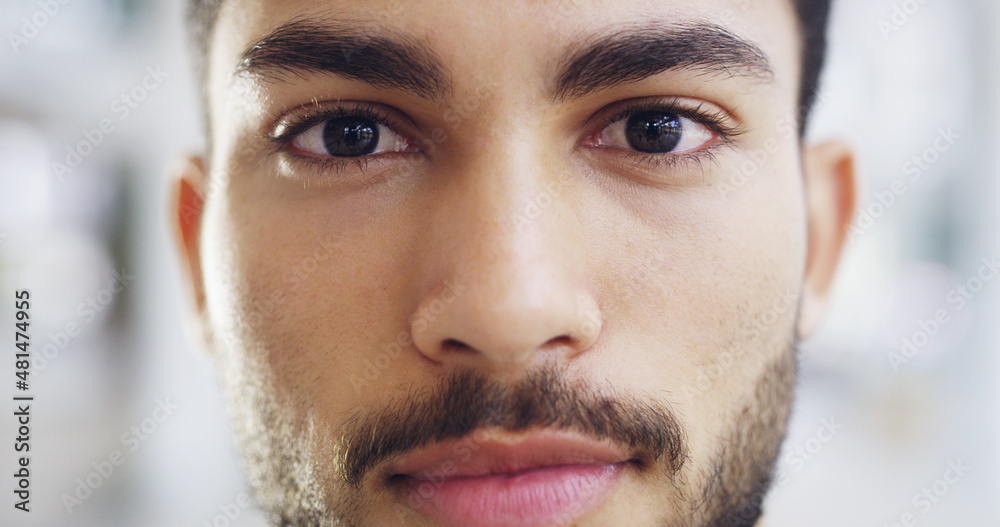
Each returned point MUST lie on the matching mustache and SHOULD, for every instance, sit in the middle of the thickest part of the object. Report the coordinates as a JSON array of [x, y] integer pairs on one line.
[[468, 400]]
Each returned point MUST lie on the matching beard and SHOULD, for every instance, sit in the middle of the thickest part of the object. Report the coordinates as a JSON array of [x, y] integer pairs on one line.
[[740, 475], [305, 476]]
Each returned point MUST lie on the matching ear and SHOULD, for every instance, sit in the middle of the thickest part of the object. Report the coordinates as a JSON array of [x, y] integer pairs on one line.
[[830, 200], [188, 182]]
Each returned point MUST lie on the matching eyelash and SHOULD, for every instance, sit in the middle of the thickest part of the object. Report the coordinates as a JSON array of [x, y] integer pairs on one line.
[[301, 124], [716, 121]]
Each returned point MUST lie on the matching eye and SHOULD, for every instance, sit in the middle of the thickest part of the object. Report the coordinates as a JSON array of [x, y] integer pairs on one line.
[[349, 136], [656, 132]]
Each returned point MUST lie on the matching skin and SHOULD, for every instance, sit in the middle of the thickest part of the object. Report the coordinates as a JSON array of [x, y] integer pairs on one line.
[[633, 279]]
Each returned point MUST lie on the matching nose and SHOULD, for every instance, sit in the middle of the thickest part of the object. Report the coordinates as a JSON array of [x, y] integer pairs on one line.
[[508, 256]]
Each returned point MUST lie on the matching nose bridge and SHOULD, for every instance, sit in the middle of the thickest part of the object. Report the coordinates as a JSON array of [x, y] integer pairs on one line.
[[513, 242], [505, 231], [513, 214]]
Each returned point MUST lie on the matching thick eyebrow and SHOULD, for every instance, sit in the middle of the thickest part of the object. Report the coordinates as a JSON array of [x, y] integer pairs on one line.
[[384, 60], [635, 53]]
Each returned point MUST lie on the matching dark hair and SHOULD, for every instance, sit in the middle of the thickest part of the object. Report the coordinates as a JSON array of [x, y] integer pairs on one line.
[[813, 18], [812, 15]]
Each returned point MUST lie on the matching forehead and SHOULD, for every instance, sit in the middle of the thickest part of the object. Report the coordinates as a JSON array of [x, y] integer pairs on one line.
[[513, 40]]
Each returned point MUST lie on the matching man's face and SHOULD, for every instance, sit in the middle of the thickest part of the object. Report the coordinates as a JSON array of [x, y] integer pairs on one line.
[[504, 263]]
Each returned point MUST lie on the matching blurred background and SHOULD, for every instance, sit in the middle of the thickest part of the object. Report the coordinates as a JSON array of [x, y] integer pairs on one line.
[[898, 416]]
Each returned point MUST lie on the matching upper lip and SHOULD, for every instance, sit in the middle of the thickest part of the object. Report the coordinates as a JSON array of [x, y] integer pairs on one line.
[[491, 452]]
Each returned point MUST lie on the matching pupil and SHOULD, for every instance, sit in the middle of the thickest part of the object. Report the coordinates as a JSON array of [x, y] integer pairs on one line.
[[350, 136], [653, 132]]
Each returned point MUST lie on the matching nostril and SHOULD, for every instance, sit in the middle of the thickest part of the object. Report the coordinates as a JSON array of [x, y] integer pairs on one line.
[[454, 345], [562, 340]]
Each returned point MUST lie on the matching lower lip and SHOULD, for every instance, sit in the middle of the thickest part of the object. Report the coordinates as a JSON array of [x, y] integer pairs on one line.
[[532, 498]]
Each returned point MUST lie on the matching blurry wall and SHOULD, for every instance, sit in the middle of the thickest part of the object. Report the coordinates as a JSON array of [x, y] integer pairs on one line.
[[94, 104]]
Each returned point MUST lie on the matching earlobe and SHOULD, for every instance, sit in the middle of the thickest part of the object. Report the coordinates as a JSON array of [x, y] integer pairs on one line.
[[188, 182], [830, 199]]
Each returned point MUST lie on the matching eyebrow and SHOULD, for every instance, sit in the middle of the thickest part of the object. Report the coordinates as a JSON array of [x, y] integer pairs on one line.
[[382, 60], [638, 52], [592, 64]]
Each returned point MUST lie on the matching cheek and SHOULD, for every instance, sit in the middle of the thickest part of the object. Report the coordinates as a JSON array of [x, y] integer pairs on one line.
[[301, 291], [706, 293]]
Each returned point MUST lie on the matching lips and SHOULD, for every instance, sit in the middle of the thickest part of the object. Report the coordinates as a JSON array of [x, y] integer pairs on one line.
[[493, 479]]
